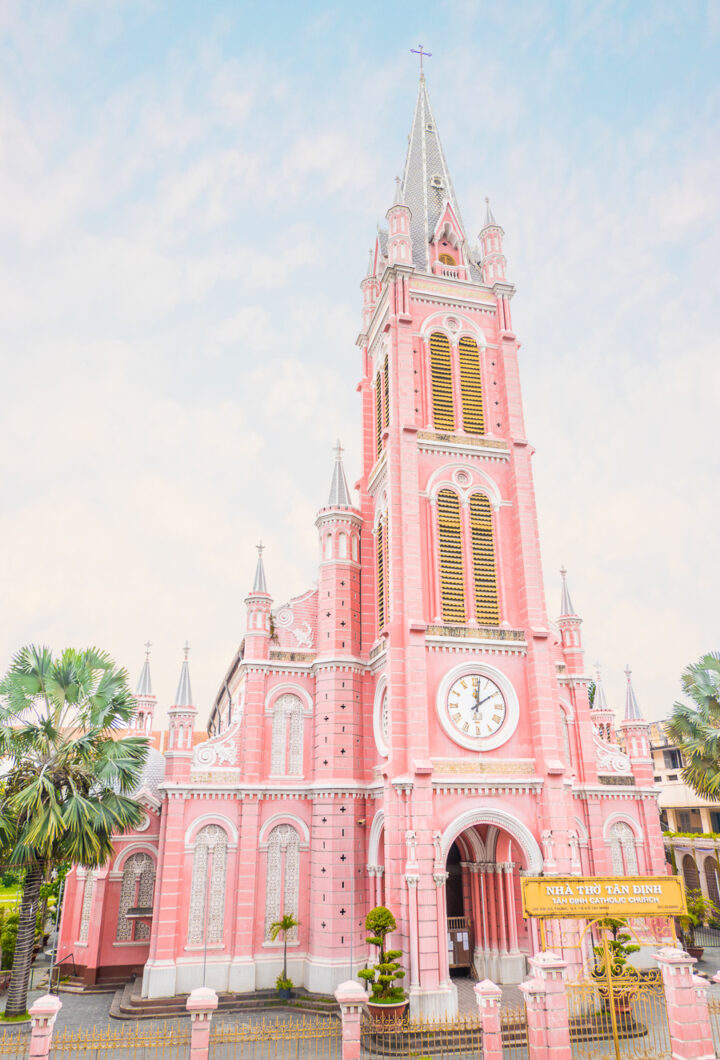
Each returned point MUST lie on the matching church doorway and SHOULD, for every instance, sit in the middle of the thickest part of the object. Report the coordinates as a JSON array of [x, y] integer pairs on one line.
[[486, 935]]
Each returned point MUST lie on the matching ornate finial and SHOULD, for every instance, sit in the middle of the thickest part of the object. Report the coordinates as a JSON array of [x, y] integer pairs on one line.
[[186, 649], [563, 571], [148, 646], [419, 51]]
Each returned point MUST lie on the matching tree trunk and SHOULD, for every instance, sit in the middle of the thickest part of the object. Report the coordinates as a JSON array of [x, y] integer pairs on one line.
[[20, 977], [284, 954]]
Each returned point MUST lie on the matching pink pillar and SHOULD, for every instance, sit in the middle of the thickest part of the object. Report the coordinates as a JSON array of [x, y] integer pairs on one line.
[[412, 882], [484, 905], [379, 884], [443, 963], [502, 914], [492, 911], [488, 998], [547, 1011], [687, 1007], [511, 910], [201, 1004], [43, 1015], [476, 907], [352, 999]]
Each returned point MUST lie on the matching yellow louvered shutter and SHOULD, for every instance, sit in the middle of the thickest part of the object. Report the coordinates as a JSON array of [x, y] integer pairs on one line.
[[452, 585], [441, 373], [380, 546], [378, 416], [487, 611], [386, 393], [471, 386]]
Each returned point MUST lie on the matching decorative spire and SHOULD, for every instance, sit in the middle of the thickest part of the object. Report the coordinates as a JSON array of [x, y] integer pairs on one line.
[[566, 606], [489, 216], [339, 492], [426, 184], [632, 710], [599, 702], [144, 687], [371, 266], [183, 696], [260, 585]]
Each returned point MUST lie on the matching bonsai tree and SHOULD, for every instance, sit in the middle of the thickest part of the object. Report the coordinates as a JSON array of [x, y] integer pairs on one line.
[[620, 946], [384, 978], [699, 910], [282, 926]]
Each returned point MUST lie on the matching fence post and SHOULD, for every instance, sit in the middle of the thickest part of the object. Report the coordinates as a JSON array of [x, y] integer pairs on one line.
[[43, 1014], [488, 996], [201, 1004], [352, 999], [687, 1006], [547, 1009]]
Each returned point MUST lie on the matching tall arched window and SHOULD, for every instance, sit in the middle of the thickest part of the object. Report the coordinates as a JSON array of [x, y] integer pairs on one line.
[[207, 890], [487, 610], [386, 392], [86, 906], [136, 891], [287, 736], [711, 878], [282, 888], [471, 386], [565, 729], [452, 584], [622, 849], [690, 873], [441, 375], [378, 416], [381, 563]]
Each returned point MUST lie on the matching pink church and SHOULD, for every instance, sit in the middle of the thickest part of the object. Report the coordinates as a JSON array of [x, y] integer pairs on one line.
[[414, 730]]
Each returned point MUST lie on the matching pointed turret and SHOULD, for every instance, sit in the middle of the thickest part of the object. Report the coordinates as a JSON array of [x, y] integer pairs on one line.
[[259, 604], [339, 491], [602, 716], [489, 221], [636, 736], [181, 725], [570, 623], [338, 525], [398, 218], [427, 188], [146, 701]]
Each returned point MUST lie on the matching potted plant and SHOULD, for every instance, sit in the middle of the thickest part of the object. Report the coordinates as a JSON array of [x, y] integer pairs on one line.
[[699, 910], [281, 927], [387, 998], [619, 947]]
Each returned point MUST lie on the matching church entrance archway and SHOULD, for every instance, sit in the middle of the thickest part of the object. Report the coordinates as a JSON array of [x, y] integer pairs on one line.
[[486, 935]]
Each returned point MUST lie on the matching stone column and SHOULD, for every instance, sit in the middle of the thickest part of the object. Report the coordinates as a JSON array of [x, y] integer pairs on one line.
[[511, 909], [502, 912], [201, 1004], [492, 911], [412, 880], [379, 870], [43, 1015], [687, 1007], [443, 963], [488, 997], [352, 999], [547, 1011]]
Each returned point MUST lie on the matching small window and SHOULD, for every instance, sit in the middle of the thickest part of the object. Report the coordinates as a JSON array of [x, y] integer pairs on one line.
[[447, 259]]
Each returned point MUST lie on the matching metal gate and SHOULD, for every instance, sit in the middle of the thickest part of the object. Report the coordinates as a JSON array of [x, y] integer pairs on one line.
[[459, 1038], [281, 1038], [616, 1011]]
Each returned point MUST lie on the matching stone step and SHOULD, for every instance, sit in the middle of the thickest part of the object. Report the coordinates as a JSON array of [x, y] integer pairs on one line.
[[129, 1005]]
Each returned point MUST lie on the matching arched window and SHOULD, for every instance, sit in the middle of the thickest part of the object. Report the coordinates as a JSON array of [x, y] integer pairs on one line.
[[378, 416], [381, 562], [690, 873], [565, 737], [342, 546], [487, 610], [287, 736], [86, 906], [208, 879], [622, 849], [452, 584], [711, 878], [471, 386], [355, 547], [136, 891], [441, 375], [328, 546], [282, 887], [386, 392]]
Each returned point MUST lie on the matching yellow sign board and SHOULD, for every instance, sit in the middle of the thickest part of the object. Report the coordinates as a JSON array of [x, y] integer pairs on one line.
[[601, 896]]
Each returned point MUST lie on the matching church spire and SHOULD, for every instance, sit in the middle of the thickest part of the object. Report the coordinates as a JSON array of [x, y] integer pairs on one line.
[[566, 606], [144, 686], [426, 185], [260, 584], [489, 221], [632, 710], [183, 696], [339, 490]]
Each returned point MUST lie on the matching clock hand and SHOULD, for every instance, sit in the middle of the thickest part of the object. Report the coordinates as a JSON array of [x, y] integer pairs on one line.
[[480, 703]]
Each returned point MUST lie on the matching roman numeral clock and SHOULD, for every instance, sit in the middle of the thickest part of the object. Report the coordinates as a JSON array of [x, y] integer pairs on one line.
[[477, 707]]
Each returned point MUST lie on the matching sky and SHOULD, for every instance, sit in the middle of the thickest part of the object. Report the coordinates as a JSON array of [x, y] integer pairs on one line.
[[188, 193]]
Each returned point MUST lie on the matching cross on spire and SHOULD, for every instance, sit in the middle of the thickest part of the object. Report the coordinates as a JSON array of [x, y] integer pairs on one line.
[[260, 549], [148, 646], [339, 450], [419, 51], [186, 649]]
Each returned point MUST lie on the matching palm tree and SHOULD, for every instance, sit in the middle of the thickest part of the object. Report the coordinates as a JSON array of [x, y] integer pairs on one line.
[[286, 923], [695, 726], [68, 774]]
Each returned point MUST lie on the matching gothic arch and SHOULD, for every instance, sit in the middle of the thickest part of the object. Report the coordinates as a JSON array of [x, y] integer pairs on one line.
[[480, 482], [282, 877], [208, 886], [137, 889], [376, 831], [381, 742], [519, 832], [133, 848], [436, 322], [294, 689], [622, 818], [199, 823], [284, 818]]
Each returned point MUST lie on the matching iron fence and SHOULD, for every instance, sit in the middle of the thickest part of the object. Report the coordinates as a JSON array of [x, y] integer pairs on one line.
[[631, 1023], [277, 1038], [168, 1041], [15, 1042]]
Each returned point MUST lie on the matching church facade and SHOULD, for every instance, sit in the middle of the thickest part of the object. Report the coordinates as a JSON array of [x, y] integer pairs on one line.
[[414, 731]]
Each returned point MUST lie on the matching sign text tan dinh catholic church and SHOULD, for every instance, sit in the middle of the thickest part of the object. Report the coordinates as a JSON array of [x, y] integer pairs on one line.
[[597, 896]]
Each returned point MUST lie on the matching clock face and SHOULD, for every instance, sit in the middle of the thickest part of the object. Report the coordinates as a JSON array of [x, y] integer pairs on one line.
[[476, 706]]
